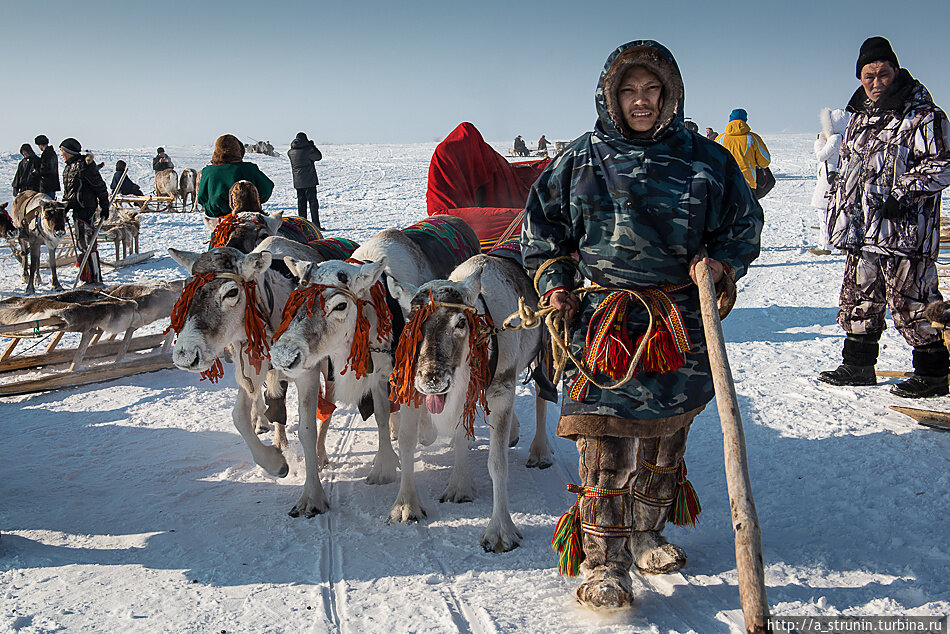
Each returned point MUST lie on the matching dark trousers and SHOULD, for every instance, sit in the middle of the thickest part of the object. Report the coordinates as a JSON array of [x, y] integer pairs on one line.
[[305, 195], [91, 272]]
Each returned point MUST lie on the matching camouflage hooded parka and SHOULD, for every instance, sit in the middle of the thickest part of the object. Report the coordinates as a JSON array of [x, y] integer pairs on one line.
[[637, 208]]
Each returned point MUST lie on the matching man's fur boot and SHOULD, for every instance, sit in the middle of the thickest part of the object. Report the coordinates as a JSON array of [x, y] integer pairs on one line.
[[606, 469], [658, 471]]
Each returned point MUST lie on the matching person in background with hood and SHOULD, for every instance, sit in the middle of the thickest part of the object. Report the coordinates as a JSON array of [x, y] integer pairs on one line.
[[303, 153], [226, 169], [884, 210], [161, 161], [83, 190], [49, 167], [746, 146], [639, 200], [542, 145], [711, 134], [27, 175], [521, 148], [128, 188], [827, 151]]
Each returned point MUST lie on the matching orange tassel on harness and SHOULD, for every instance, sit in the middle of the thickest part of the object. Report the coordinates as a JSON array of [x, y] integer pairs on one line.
[[222, 231]]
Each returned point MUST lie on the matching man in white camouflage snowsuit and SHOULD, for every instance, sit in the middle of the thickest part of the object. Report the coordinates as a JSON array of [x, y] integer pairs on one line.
[[884, 210], [638, 199]]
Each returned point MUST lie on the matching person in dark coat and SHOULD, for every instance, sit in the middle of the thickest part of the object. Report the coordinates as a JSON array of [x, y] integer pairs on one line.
[[27, 175], [542, 144], [83, 190], [128, 188], [49, 167], [302, 155], [521, 149], [161, 161]]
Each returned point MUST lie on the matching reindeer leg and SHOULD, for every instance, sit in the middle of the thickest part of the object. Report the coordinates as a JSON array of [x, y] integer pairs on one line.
[[51, 252], [269, 458], [514, 433], [384, 465], [275, 393], [32, 268], [125, 344], [408, 506], [313, 499], [501, 535], [460, 487], [540, 455], [87, 337]]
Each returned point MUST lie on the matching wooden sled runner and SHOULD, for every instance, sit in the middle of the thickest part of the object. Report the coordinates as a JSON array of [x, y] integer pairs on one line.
[[152, 202], [930, 418]]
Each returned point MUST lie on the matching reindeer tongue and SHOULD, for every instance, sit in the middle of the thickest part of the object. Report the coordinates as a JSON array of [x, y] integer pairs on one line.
[[435, 403]]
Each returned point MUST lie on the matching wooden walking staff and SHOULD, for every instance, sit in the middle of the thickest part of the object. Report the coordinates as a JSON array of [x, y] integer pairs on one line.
[[745, 522]]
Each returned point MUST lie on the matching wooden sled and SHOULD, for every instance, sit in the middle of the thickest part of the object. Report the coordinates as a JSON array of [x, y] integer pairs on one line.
[[105, 360], [65, 253], [152, 202], [930, 418]]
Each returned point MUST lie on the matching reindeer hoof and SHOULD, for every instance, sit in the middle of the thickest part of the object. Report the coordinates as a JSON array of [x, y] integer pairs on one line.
[[406, 513], [539, 463]]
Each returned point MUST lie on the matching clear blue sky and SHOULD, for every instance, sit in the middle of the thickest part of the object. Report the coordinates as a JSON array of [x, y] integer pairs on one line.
[[120, 74]]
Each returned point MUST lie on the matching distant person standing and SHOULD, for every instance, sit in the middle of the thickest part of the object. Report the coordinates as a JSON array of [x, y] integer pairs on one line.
[[828, 152], [83, 190], [161, 161], [49, 167], [542, 144], [885, 211], [27, 175], [303, 154], [228, 167], [711, 134], [746, 146]]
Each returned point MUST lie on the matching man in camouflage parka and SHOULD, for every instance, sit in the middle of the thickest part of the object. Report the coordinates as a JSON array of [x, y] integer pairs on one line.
[[638, 199], [884, 209]]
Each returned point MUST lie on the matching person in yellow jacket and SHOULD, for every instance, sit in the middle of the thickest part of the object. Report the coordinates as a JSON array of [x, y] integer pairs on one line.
[[746, 146]]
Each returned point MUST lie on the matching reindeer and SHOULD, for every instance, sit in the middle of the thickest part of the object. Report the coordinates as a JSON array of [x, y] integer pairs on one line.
[[124, 228], [448, 316], [166, 183], [188, 186], [40, 220], [354, 327], [215, 320], [7, 228]]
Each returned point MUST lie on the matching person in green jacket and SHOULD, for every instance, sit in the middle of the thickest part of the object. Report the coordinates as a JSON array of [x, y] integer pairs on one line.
[[226, 169]]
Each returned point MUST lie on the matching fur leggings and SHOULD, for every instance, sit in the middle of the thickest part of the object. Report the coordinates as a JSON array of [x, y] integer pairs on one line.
[[612, 462]]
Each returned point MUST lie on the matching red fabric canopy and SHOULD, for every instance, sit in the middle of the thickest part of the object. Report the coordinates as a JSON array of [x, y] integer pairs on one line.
[[467, 178]]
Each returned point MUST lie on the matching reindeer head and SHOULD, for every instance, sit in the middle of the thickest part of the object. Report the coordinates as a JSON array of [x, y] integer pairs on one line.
[[53, 217], [7, 229], [215, 315], [441, 363], [330, 330], [254, 227]]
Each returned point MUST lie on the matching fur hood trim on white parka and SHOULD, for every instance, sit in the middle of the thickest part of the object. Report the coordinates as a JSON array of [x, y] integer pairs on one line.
[[833, 121]]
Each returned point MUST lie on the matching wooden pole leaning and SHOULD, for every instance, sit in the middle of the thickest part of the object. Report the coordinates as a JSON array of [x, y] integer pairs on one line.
[[95, 235], [745, 522]]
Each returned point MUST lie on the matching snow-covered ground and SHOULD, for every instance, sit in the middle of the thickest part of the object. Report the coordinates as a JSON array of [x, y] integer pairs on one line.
[[134, 506]]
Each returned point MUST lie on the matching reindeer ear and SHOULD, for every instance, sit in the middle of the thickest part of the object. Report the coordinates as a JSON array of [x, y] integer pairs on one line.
[[402, 291], [254, 264], [471, 287], [299, 268], [369, 274], [186, 259], [274, 222]]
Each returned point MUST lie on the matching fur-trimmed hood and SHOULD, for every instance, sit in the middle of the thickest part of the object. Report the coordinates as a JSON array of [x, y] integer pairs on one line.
[[833, 121], [658, 60], [227, 149]]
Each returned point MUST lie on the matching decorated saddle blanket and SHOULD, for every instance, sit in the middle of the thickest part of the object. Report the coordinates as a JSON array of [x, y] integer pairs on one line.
[[442, 241], [510, 249], [299, 229], [334, 248]]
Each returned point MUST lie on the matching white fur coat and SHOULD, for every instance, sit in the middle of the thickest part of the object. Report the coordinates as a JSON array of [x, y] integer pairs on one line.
[[827, 151]]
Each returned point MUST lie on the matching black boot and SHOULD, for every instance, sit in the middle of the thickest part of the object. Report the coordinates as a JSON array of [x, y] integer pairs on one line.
[[858, 358], [930, 373]]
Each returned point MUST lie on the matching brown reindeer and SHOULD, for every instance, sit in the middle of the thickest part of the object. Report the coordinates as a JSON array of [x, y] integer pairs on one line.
[[40, 220]]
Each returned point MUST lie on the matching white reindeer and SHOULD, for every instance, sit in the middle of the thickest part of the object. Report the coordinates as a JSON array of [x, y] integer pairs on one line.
[[483, 285]]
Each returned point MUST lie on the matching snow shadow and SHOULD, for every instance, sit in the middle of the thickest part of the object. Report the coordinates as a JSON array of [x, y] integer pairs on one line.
[[773, 323]]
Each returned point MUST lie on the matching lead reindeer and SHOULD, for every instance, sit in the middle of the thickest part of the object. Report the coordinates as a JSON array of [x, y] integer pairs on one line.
[[349, 319], [449, 356], [166, 184], [40, 220], [213, 316]]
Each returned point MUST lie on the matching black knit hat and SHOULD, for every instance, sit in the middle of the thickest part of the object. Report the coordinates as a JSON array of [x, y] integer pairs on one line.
[[41, 140], [120, 165], [71, 145], [875, 49], [160, 150]]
